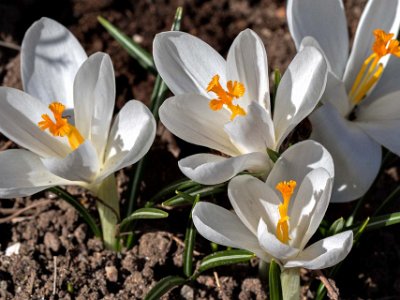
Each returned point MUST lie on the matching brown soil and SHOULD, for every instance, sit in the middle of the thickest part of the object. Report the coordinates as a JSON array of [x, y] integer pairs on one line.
[[60, 259]]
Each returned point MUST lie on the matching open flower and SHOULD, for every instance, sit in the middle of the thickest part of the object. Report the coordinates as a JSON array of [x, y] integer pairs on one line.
[[361, 108], [276, 219], [64, 118], [225, 105]]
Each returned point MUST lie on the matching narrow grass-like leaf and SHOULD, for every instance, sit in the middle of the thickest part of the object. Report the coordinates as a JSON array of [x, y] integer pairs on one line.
[[79, 208], [273, 155], [144, 213], [383, 221], [275, 289], [157, 97], [222, 258], [190, 237], [142, 56], [163, 286], [336, 227], [277, 81], [180, 199], [179, 185]]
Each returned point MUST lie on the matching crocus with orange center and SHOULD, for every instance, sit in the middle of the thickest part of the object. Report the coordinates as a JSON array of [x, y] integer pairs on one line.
[[361, 110], [257, 209], [225, 104]]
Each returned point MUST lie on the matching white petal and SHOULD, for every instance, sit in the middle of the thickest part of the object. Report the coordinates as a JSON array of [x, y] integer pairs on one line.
[[324, 253], [186, 63], [19, 117], [356, 156], [325, 21], [81, 164], [190, 118], [308, 208], [335, 93], [94, 98], [253, 132], [223, 227], [270, 243], [381, 121], [377, 14], [299, 160], [299, 91], [50, 58], [253, 200], [131, 136], [212, 169], [247, 63], [23, 174]]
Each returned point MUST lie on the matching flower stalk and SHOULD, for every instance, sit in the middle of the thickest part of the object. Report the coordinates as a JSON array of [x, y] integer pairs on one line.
[[290, 280], [108, 208]]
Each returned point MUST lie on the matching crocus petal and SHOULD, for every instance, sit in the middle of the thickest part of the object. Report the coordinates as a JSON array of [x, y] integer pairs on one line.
[[308, 208], [131, 136], [299, 91], [270, 243], [324, 253], [223, 227], [186, 63], [325, 21], [253, 132], [81, 164], [377, 14], [335, 93], [19, 117], [212, 169], [190, 118], [50, 58], [299, 160], [23, 174], [381, 121], [247, 63], [94, 97], [253, 200], [357, 157]]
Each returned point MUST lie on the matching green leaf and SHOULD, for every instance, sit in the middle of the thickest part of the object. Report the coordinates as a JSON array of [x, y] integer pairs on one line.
[[275, 290], [144, 213], [190, 237], [383, 221], [157, 97], [163, 286], [178, 185], [277, 81], [336, 227], [273, 155], [79, 208], [143, 57], [222, 258], [202, 190], [360, 230]]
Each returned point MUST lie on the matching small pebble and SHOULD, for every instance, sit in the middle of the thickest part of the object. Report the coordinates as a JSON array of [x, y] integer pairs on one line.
[[52, 241], [112, 273]]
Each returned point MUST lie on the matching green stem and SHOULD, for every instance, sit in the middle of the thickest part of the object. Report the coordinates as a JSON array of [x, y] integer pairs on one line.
[[290, 280], [109, 213]]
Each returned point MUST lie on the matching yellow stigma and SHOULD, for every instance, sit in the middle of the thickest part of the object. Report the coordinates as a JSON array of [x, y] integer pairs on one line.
[[371, 70], [234, 90], [282, 228], [61, 127]]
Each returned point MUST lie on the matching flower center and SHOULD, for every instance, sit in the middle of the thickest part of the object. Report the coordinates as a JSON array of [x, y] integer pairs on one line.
[[234, 90], [371, 70], [282, 228], [61, 127]]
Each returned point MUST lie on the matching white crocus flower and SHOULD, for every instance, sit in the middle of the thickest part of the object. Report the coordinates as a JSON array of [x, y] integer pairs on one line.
[[80, 146], [362, 99], [276, 219], [225, 105]]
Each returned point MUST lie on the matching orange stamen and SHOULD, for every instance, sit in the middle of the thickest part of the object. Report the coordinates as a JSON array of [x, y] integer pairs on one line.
[[235, 90], [282, 228], [61, 127]]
